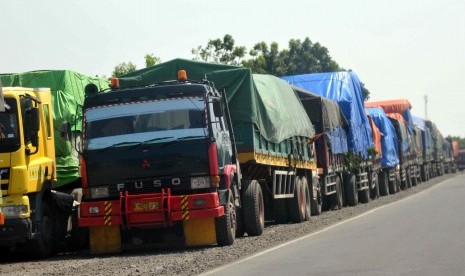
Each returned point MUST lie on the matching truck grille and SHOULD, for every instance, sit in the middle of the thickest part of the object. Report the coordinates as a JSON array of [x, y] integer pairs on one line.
[[4, 180], [149, 185]]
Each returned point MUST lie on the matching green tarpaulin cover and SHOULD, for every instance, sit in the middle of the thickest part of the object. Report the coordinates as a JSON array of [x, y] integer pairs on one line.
[[266, 101], [67, 96]]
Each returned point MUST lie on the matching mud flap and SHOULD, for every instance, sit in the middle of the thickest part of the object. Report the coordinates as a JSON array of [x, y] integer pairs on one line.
[[105, 239], [199, 231]]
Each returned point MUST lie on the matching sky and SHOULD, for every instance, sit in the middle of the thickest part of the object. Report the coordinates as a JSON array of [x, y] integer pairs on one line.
[[398, 48]]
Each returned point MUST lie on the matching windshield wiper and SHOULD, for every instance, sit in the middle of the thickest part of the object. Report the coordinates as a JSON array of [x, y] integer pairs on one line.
[[117, 145], [183, 139], [149, 141]]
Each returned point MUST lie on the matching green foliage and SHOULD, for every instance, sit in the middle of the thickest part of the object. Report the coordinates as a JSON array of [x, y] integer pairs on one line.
[[302, 57], [124, 68], [220, 51], [151, 60], [372, 152], [352, 161]]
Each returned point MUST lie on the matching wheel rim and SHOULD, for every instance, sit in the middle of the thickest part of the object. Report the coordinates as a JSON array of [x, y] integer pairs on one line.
[[302, 200], [261, 211], [233, 217]]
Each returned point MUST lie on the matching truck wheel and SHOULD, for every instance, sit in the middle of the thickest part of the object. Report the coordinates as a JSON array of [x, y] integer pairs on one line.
[[253, 208], [392, 187], [423, 174], [408, 179], [364, 195], [308, 207], [43, 244], [339, 196], [225, 226], [414, 180], [383, 184], [351, 190], [374, 191], [316, 204], [297, 203]]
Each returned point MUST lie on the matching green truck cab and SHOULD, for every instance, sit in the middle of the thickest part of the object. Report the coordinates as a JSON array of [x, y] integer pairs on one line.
[[206, 159]]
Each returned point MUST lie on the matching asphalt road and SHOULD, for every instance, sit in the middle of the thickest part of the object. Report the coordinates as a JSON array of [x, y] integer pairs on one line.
[[420, 235]]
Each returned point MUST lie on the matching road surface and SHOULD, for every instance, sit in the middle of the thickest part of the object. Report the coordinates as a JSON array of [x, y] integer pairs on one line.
[[420, 235]]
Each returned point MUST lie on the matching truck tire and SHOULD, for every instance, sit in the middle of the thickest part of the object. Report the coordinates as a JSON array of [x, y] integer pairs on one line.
[[308, 208], [408, 181], [423, 173], [414, 180], [383, 184], [374, 191], [316, 204], [44, 243], [351, 189], [297, 203], [225, 226], [253, 211], [392, 187], [364, 195]]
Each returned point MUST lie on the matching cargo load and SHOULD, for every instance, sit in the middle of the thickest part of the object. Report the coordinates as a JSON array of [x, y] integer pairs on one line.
[[388, 139], [67, 89], [327, 118], [346, 89]]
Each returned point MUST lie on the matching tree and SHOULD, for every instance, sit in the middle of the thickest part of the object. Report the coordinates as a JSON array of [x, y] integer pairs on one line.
[[151, 60], [220, 51], [124, 68]]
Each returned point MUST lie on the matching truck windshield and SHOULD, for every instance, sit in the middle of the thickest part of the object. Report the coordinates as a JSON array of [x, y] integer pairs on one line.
[[8, 126], [140, 121]]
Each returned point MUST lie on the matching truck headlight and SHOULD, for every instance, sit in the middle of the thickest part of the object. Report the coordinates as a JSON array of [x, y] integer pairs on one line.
[[200, 182], [99, 192], [14, 211]]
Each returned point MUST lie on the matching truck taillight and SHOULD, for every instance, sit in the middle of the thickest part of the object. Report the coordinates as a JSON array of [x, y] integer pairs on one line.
[[213, 159], [82, 166]]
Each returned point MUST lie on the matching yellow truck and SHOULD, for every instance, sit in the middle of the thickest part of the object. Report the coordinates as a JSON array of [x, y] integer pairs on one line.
[[34, 215], [39, 166]]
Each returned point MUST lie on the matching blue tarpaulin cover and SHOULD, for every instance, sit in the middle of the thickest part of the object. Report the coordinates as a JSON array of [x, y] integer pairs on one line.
[[388, 139], [428, 146], [337, 139], [344, 88]]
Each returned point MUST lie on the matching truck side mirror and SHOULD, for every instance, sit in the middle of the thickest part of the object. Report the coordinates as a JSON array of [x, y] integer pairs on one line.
[[35, 119], [35, 126], [217, 108]]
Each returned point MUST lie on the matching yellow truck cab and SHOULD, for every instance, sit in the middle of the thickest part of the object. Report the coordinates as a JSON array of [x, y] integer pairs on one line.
[[30, 209]]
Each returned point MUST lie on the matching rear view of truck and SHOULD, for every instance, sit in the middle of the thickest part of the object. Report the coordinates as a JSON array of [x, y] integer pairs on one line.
[[389, 173], [330, 144], [345, 88]]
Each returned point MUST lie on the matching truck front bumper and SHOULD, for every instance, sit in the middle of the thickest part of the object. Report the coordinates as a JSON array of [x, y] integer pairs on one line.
[[150, 210], [15, 231]]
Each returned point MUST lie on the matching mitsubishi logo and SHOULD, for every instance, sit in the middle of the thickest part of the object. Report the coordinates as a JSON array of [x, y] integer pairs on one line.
[[145, 164]]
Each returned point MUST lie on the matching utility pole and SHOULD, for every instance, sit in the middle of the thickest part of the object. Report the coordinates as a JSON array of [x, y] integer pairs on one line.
[[426, 107]]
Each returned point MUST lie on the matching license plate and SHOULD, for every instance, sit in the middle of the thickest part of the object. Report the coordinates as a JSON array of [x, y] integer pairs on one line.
[[145, 206]]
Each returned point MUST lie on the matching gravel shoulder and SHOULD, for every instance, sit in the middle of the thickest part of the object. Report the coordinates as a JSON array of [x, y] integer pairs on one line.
[[191, 261]]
